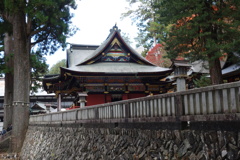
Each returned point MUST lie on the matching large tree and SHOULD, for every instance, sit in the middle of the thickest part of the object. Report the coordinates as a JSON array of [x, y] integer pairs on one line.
[[38, 69], [33, 22], [198, 29]]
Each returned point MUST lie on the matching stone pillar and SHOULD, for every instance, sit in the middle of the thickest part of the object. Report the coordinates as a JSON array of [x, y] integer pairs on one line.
[[82, 99], [59, 102], [180, 73], [181, 84]]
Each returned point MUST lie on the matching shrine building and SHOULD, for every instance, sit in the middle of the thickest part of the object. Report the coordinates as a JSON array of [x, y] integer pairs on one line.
[[110, 72]]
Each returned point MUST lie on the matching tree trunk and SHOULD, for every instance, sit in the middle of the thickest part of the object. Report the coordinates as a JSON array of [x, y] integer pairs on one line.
[[215, 70], [21, 82], [8, 94]]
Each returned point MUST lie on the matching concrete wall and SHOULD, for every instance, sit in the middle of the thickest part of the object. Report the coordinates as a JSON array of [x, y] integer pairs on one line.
[[108, 142]]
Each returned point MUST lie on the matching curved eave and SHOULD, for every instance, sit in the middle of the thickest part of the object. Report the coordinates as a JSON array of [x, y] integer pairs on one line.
[[231, 71], [86, 73], [49, 79]]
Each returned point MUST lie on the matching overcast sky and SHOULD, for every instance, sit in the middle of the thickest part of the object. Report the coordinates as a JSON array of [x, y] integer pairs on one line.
[[95, 18]]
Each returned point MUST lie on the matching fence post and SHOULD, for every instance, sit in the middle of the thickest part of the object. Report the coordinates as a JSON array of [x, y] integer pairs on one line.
[[76, 115], [179, 107], [96, 113], [127, 110]]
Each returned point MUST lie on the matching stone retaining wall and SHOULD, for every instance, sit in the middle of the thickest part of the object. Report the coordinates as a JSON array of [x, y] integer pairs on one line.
[[9, 156], [81, 143]]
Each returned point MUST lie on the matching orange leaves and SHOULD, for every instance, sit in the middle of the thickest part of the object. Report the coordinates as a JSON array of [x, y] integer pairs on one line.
[[183, 21]]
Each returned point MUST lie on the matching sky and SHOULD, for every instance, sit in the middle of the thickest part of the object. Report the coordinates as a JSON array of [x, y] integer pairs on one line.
[[95, 18]]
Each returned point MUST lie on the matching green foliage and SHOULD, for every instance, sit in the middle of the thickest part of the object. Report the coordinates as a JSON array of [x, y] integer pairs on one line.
[[144, 53], [126, 38], [200, 27], [48, 21], [4, 27], [143, 16], [51, 23], [55, 69], [38, 69], [203, 81]]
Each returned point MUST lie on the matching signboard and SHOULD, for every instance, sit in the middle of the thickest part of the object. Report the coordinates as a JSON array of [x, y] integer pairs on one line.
[[95, 88], [116, 88]]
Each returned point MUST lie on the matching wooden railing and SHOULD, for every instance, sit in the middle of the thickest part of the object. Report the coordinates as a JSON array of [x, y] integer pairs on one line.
[[213, 103]]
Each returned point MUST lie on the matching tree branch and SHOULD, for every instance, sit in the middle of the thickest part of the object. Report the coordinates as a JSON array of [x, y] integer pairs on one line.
[[37, 31], [40, 40]]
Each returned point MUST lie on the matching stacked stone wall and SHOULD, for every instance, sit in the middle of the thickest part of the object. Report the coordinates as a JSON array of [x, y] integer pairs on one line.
[[80, 143]]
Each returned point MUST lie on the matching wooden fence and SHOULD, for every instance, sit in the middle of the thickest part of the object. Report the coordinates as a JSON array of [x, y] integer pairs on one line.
[[213, 103]]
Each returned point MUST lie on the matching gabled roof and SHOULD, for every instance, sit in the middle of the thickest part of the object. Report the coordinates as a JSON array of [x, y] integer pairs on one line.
[[88, 56], [38, 106]]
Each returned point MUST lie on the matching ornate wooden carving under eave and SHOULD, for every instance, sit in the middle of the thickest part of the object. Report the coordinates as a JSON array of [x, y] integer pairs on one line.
[[70, 82], [115, 40], [68, 92], [48, 85]]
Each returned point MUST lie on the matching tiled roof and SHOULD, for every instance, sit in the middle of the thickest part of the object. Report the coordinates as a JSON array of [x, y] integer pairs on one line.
[[119, 67]]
